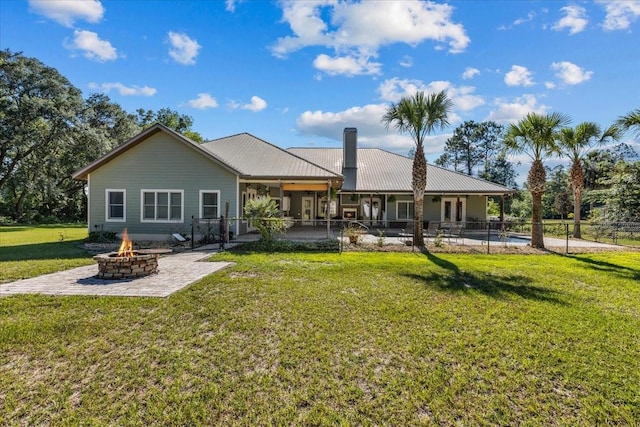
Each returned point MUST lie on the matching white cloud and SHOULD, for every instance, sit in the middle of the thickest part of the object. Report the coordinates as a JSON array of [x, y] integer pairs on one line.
[[570, 73], [463, 97], [406, 61], [348, 30], [507, 112], [347, 65], [620, 13], [371, 130], [230, 5], [92, 46], [575, 19], [256, 104], [530, 17], [518, 76], [124, 90], [203, 101], [66, 12], [470, 73], [184, 49]]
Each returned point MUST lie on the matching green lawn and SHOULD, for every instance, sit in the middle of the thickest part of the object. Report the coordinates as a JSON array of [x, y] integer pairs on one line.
[[27, 251], [329, 339]]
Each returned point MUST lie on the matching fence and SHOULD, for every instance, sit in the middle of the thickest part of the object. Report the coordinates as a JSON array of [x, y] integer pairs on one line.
[[559, 234]]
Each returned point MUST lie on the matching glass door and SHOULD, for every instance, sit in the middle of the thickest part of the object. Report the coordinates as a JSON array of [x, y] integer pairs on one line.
[[307, 211]]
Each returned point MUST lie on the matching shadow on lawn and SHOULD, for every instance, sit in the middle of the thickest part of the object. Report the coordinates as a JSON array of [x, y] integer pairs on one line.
[[52, 250], [455, 280], [608, 267]]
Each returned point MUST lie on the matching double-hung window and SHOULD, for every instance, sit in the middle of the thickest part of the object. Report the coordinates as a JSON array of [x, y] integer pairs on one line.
[[405, 209], [209, 204], [116, 202], [162, 205]]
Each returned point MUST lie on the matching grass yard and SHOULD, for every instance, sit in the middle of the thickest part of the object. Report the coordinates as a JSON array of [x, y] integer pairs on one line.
[[329, 339], [28, 251]]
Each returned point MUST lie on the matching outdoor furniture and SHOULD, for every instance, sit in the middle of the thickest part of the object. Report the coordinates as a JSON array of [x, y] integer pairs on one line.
[[453, 231], [406, 234], [433, 229]]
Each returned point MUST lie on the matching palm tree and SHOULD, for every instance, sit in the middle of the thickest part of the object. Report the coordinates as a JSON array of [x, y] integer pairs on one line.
[[575, 143], [536, 136], [630, 121], [419, 115]]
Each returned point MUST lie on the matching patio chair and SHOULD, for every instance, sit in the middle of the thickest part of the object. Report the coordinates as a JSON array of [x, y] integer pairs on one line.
[[454, 231], [432, 230]]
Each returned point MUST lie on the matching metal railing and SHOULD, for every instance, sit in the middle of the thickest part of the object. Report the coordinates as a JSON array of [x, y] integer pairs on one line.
[[485, 233]]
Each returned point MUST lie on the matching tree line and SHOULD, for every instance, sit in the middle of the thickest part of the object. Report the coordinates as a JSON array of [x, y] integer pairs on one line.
[[48, 131]]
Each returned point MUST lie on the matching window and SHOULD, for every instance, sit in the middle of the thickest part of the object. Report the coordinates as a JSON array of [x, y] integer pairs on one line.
[[116, 205], [162, 206], [209, 204], [405, 209]]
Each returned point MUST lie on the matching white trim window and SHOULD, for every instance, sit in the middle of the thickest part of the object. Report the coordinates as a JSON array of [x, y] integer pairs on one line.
[[161, 205], [116, 205], [404, 209], [209, 204]]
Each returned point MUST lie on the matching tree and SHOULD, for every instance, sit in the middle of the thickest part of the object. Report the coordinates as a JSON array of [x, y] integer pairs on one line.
[[600, 163], [630, 122], [471, 145], [556, 190], [575, 143], [419, 115], [39, 111], [500, 171], [181, 123], [266, 217], [536, 136], [621, 193], [47, 131]]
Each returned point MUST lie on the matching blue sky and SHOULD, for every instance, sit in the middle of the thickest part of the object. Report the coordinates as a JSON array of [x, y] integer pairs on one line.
[[297, 72]]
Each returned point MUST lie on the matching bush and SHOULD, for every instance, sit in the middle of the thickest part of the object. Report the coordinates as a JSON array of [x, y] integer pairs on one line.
[[285, 246], [102, 237]]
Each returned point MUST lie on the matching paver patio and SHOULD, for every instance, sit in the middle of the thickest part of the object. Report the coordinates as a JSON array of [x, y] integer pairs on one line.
[[175, 272]]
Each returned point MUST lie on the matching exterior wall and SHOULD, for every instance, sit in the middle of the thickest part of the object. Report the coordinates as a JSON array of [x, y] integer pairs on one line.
[[158, 163], [476, 208]]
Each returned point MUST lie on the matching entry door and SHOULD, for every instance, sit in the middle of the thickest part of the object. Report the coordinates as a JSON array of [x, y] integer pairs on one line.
[[307, 211], [454, 210]]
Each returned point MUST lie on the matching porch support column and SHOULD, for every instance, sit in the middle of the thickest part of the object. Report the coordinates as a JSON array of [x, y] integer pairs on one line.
[[328, 208], [501, 208], [371, 209], [281, 198]]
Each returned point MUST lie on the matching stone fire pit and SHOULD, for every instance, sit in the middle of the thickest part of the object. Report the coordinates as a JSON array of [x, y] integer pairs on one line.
[[142, 263]]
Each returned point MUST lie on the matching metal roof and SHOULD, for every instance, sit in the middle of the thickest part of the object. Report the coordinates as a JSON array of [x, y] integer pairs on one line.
[[254, 157], [383, 171]]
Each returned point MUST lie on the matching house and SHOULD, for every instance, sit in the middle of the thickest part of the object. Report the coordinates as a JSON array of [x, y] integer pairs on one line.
[[158, 181]]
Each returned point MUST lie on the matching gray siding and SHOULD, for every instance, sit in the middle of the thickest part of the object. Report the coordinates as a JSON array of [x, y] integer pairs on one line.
[[159, 163]]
